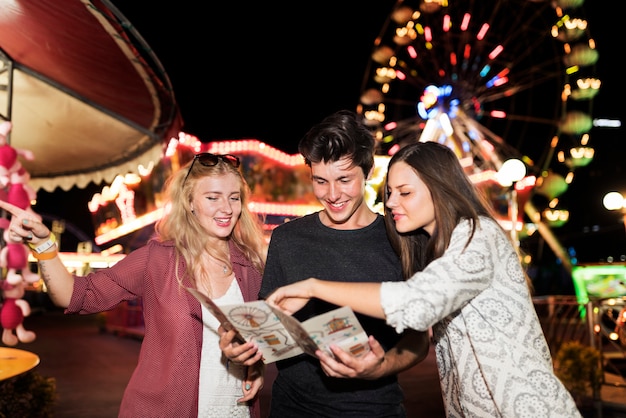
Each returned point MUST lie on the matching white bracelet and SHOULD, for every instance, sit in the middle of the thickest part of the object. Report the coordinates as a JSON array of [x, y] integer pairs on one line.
[[44, 245]]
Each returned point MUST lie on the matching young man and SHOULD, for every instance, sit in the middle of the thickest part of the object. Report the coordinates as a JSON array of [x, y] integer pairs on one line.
[[345, 240]]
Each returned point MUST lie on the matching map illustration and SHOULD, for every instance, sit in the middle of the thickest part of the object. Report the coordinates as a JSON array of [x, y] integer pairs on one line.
[[281, 336]]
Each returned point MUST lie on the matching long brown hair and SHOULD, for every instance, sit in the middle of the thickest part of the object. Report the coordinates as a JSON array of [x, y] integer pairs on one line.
[[454, 198]]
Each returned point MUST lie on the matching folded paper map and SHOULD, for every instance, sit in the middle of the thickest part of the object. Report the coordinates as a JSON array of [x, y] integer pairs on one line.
[[281, 336]]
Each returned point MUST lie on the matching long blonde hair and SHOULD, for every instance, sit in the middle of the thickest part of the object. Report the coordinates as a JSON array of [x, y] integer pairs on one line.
[[190, 239]]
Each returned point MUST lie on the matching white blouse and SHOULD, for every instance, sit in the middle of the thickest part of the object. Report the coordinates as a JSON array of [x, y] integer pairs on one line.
[[220, 381], [492, 356]]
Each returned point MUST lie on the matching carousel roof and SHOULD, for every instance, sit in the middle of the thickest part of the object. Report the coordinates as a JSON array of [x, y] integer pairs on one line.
[[84, 92]]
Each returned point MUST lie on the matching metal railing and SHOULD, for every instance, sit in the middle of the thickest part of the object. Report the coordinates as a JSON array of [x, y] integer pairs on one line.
[[595, 324]]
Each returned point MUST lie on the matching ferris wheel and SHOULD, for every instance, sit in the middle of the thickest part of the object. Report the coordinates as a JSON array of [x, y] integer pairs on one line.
[[493, 79]]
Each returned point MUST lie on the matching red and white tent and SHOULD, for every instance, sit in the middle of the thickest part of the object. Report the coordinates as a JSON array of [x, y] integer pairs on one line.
[[83, 90]]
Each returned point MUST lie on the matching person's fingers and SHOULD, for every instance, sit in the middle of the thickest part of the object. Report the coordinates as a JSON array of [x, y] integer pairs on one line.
[[248, 358], [273, 299], [250, 389], [330, 366], [12, 209], [226, 337], [376, 348], [252, 384], [27, 229], [14, 237], [26, 219], [246, 354]]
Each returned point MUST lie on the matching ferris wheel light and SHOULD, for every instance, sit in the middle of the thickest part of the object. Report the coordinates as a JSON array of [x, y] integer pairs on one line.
[[391, 126], [453, 58], [428, 133], [482, 32], [500, 81], [496, 81], [588, 83], [582, 152], [444, 121], [614, 201], [498, 114], [496, 51], [466, 20], [607, 123], [428, 34], [446, 23], [512, 171], [466, 51]]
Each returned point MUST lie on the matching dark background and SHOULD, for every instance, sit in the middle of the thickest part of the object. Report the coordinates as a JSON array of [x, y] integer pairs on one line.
[[271, 70]]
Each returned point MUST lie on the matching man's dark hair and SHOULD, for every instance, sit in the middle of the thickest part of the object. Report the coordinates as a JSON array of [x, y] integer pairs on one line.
[[340, 135]]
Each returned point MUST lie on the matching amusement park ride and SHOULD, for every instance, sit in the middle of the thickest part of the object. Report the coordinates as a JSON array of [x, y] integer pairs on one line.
[[495, 81]]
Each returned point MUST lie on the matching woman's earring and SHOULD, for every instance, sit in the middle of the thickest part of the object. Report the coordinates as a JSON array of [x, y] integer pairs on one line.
[[193, 212]]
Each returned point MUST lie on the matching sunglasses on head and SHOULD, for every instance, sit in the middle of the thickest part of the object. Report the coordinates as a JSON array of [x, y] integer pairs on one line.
[[209, 160]]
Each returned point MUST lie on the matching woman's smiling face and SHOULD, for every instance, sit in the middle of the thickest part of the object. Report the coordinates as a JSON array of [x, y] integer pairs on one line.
[[217, 203], [409, 200]]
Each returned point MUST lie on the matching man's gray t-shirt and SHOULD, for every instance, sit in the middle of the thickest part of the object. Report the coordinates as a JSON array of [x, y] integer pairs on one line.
[[305, 248]]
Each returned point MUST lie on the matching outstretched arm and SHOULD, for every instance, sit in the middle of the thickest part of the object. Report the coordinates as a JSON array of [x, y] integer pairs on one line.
[[24, 226], [361, 297]]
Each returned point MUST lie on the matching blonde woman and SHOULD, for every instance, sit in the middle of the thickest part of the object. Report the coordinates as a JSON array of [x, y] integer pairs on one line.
[[207, 240]]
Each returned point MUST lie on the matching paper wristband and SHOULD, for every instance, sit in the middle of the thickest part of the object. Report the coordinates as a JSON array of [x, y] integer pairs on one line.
[[44, 245], [45, 256]]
